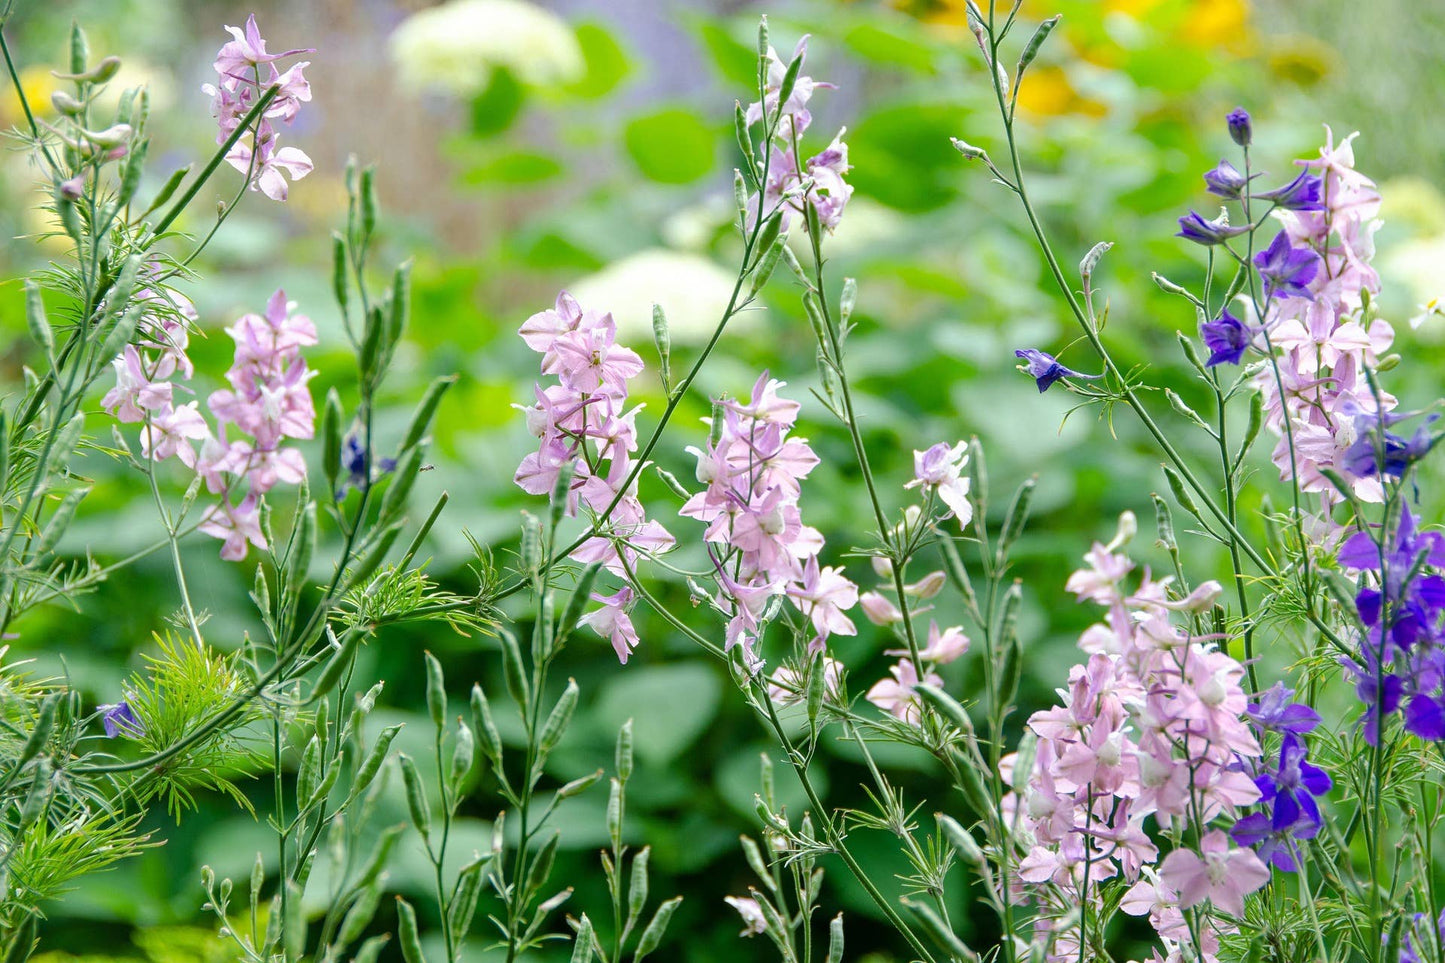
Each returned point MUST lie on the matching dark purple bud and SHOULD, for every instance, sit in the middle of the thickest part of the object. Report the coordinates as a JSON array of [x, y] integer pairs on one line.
[[1241, 131], [1194, 227], [1045, 370]]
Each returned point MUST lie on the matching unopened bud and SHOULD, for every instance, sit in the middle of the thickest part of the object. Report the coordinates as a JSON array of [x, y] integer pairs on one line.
[[883, 566], [66, 104], [879, 610], [1241, 131], [73, 188], [926, 587], [1128, 528]]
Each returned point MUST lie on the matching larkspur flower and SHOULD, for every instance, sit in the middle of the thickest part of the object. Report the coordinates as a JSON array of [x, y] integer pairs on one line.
[[1045, 369], [1286, 269], [612, 622], [939, 470], [1226, 181], [1216, 873], [1195, 227], [119, 720], [1275, 711], [1301, 194], [1226, 337]]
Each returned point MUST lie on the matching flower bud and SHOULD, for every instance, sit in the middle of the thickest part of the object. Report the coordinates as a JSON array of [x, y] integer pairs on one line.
[[926, 587], [879, 610], [882, 566], [1240, 129], [73, 188], [66, 104]]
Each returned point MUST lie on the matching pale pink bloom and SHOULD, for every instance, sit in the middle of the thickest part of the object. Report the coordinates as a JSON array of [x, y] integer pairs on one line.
[[237, 525], [823, 595], [247, 51], [1217, 873], [272, 167], [171, 433], [294, 91], [898, 696], [754, 922], [135, 394], [940, 469], [612, 622]]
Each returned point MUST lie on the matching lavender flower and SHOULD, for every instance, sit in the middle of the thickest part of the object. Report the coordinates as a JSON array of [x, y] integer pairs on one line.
[[1274, 712], [1226, 337], [1287, 269], [1377, 451], [1194, 227], [1045, 370]]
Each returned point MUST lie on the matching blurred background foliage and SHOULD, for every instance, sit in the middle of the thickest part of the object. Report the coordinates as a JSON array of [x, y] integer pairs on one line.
[[524, 147]]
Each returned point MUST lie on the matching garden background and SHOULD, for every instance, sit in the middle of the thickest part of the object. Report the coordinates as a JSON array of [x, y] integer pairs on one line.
[[586, 144]]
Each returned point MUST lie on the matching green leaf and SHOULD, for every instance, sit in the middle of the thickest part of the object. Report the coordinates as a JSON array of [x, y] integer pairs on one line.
[[672, 145], [513, 167], [902, 156], [495, 109], [884, 46], [606, 61], [670, 706], [736, 63]]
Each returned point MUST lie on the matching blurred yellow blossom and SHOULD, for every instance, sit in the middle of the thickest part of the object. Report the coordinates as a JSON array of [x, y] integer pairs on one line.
[[456, 46], [38, 84]]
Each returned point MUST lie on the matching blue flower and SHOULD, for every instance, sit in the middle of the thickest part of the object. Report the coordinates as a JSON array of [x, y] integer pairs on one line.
[[1288, 794], [356, 464], [1287, 269], [1045, 370], [1304, 193], [1241, 131], [1274, 712], [119, 720], [1377, 451], [1227, 337], [1193, 227]]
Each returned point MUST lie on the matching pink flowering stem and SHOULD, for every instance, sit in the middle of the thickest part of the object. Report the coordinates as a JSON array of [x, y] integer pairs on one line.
[[244, 127]]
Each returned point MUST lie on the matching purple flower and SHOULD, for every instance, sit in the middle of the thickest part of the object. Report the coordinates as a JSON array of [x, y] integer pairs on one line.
[[1193, 227], [357, 465], [1241, 131], [1304, 193], [1045, 370], [1289, 791], [1377, 451], [119, 720], [1226, 181], [1227, 338], [1287, 269], [1416, 945], [1276, 713]]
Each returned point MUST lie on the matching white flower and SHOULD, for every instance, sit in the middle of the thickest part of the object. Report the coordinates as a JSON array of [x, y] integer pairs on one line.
[[693, 291], [455, 47]]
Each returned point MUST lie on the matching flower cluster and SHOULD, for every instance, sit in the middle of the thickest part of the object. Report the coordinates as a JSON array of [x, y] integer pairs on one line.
[[758, 544], [1315, 277], [585, 427], [790, 186], [268, 400], [1402, 654], [1289, 790], [238, 88], [1153, 724]]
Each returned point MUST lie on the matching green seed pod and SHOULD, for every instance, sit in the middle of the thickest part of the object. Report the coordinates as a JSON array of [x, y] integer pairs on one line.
[[337, 666], [371, 765], [662, 339], [814, 311], [847, 300], [559, 718], [582, 941], [308, 773], [763, 269], [541, 867], [516, 674], [579, 785], [762, 40], [1017, 517], [790, 80], [35, 318], [947, 706], [561, 492], [368, 203], [39, 795], [400, 304], [961, 840], [436, 692], [79, 49], [421, 420], [485, 727], [131, 172], [359, 915], [370, 951], [463, 753], [416, 801], [407, 931], [393, 503], [1091, 260], [1181, 494], [531, 543], [340, 273], [652, 936], [835, 940], [754, 856], [637, 886], [464, 901], [743, 135], [40, 735], [941, 933], [614, 811], [60, 520], [331, 441], [1031, 49], [623, 754]]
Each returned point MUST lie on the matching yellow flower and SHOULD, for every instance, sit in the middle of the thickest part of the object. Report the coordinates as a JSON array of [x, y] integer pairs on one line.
[[38, 85]]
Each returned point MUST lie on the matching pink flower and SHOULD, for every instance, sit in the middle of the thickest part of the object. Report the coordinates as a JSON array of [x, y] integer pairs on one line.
[[1217, 873], [786, 684], [898, 696], [247, 51], [272, 166], [753, 920], [237, 525], [612, 621], [135, 393], [823, 595], [171, 433], [939, 470]]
